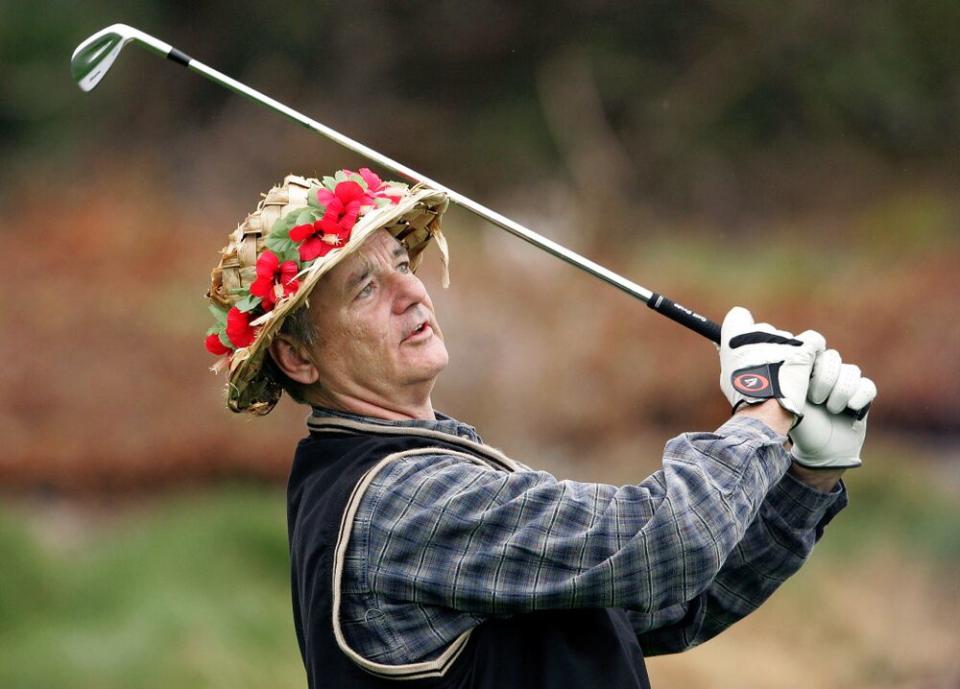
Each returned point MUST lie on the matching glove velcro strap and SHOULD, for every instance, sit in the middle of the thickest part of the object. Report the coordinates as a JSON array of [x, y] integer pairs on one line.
[[758, 382], [759, 337]]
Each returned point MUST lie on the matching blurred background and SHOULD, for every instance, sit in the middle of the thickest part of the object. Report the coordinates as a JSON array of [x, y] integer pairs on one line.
[[800, 159]]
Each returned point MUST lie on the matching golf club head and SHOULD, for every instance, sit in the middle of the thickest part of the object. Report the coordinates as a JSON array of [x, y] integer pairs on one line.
[[93, 58]]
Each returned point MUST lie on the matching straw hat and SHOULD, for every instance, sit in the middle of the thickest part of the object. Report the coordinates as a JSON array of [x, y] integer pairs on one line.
[[300, 230]]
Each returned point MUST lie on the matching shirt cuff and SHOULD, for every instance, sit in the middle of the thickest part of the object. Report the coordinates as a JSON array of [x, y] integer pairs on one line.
[[748, 427], [803, 507]]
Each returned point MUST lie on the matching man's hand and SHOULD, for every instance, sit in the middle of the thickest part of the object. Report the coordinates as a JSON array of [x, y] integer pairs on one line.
[[827, 441], [826, 437], [758, 362], [839, 386]]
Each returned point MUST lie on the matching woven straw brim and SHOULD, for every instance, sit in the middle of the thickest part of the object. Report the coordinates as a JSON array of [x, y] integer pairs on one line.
[[414, 221]]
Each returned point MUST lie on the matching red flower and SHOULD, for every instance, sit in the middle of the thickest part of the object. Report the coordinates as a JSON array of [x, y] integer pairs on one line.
[[215, 346], [343, 206], [274, 279], [376, 188], [344, 203], [319, 238], [239, 331]]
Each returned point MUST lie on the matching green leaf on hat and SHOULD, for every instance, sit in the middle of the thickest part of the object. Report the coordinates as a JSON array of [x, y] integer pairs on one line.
[[283, 225], [219, 313], [312, 198], [225, 341], [340, 176], [291, 254], [279, 228], [329, 182], [290, 220], [279, 245], [248, 303], [309, 215]]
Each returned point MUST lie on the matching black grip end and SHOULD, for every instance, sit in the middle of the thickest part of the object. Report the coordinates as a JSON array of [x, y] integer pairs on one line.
[[858, 415], [685, 317]]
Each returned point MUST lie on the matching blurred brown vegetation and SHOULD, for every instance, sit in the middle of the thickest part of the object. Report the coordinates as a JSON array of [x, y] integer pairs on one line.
[[797, 160]]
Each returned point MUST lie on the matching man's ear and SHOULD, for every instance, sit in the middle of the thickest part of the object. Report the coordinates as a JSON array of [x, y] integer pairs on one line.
[[292, 359]]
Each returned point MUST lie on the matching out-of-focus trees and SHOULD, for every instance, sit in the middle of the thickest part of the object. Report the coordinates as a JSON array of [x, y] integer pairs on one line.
[[695, 94], [798, 158]]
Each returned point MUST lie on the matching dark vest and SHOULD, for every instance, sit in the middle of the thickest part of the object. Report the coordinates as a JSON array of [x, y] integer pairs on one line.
[[560, 648]]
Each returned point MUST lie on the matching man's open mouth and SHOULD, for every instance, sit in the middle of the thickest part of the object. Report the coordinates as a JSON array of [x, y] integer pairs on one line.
[[418, 330]]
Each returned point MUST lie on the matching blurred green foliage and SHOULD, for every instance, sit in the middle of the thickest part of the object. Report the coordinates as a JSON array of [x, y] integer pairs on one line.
[[193, 589], [193, 592], [903, 502]]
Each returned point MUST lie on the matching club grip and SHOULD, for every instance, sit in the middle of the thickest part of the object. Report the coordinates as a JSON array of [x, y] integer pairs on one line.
[[707, 328], [685, 317]]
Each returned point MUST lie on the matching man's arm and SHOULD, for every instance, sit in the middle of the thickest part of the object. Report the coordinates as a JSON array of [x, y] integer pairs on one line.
[[443, 532], [791, 519]]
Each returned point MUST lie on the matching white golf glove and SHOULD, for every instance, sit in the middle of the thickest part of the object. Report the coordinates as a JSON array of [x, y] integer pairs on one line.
[[839, 386], [829, 437], [758, 362], [827, 441]]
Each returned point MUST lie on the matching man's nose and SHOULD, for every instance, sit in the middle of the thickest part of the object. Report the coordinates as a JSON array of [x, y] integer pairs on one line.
[[408, 291]]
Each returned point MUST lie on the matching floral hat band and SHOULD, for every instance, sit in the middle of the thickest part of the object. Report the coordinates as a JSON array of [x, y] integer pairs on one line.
[[300, 230]]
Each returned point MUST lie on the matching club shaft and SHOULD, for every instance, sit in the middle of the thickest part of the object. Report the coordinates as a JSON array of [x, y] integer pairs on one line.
[[94, 56], [657, 302], [492, 216]]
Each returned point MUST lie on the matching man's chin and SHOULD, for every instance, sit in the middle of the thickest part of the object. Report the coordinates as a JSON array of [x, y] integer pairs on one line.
[[430, 362], [440, 357]]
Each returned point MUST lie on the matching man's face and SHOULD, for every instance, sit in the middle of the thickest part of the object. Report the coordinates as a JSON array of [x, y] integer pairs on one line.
[[378, 338]]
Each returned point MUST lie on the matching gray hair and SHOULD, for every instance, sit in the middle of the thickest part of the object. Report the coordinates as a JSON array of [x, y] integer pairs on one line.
[[300, 328]]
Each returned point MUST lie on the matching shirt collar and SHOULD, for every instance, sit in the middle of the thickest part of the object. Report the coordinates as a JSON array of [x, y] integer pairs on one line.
[[442, 422]]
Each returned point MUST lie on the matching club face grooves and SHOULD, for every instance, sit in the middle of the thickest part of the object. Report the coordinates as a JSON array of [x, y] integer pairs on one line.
[[93, 58]]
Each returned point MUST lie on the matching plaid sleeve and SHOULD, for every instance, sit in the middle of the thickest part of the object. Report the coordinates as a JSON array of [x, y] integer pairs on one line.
[[446, 534], [790, 520]]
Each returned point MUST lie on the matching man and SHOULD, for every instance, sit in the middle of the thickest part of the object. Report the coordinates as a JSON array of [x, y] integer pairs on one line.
[[419, 553]]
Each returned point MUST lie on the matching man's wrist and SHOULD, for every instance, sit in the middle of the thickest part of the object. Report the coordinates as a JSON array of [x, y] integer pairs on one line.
[[824, 480], [769, 412]]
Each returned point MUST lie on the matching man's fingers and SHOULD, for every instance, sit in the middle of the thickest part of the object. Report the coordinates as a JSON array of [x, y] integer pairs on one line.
[[813, 340], [846, 386], [826, 370], [865, 393], [738, 320]]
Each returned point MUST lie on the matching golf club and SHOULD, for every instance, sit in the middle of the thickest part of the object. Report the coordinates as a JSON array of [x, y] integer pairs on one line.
[[93, 58]]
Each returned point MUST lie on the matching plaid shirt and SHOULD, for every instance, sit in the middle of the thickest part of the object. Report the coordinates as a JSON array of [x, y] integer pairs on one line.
[[440, 544]]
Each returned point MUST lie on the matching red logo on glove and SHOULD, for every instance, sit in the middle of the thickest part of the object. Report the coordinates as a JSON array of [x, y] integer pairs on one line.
[[751, 383]]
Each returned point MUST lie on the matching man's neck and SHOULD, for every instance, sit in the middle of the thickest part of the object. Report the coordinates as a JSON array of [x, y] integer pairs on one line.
[[378, 409]]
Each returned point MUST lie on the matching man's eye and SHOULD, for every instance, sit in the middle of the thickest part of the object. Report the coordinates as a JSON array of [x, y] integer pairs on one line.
[[367, 290], [404, 267]]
